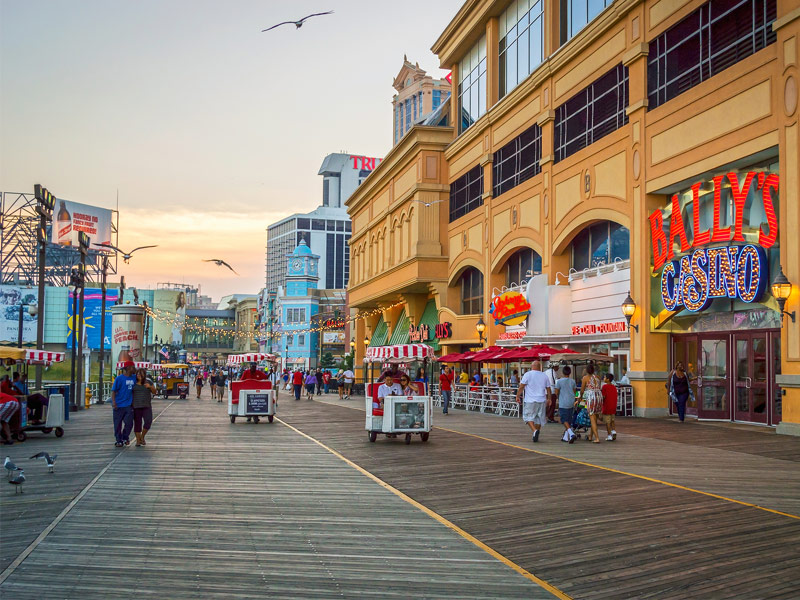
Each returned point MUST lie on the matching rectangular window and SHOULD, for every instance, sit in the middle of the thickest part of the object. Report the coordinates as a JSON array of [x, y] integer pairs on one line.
[[408, 115], [303, 223], [399, 109], [517, 161], [466, 193], [318, 224], [325, 192], [414, 106], [471, 292], [592, 113], [472, 85], [301, 340], [714, 37], [341, 257], [330, 260], [576, 14], [521, 42], [437, 99]]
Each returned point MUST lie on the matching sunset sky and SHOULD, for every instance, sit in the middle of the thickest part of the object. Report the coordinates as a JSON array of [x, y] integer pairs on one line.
[[209, 129]]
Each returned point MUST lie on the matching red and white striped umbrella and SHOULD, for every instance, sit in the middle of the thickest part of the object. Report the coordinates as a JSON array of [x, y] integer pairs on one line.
[[403, 352], [235, 359], [138, 365], [43, 356]]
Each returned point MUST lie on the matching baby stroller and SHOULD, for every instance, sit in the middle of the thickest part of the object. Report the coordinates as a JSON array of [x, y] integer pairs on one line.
[[582, 423]]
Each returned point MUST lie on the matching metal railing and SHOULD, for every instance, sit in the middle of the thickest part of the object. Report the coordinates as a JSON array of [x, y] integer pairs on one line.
[[485, 399]]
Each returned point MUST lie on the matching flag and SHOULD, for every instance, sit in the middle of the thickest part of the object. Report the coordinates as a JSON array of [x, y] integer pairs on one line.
[[164, 352]]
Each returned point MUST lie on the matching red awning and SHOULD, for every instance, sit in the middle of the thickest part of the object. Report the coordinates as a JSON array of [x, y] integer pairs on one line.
[[451, 358], [490, 354]]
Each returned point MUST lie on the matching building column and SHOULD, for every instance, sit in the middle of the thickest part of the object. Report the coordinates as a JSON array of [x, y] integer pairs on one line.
[[787, 27]]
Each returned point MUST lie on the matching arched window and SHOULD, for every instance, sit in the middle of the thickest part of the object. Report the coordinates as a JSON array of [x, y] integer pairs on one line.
[[521, 265], [600, 244], [471, 282]]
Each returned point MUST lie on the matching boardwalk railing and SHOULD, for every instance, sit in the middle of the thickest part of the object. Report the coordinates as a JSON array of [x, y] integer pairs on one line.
[[485, 399]]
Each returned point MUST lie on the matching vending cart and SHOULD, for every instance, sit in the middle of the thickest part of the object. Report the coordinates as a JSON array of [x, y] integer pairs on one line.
[[54, 406], [251, 398], [397, 415]]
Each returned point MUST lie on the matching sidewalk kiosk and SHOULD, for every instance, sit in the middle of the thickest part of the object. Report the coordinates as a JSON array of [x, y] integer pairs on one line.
[[251, 397], [397, 415]]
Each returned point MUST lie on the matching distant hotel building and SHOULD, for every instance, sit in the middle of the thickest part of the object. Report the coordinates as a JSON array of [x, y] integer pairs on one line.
[[418, 95], [326, 229]]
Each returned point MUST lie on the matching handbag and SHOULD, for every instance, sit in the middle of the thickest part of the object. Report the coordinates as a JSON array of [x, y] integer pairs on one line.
[[672, 396]]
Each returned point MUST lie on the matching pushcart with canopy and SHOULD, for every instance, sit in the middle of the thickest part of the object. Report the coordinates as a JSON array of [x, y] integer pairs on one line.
[[398, 414], [252, 398]]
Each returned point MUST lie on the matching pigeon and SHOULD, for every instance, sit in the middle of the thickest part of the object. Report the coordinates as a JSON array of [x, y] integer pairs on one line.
[[220, 263], [298, 24], [18, 480], [10, 466], [429, 203], [126, 256], [50, 460]]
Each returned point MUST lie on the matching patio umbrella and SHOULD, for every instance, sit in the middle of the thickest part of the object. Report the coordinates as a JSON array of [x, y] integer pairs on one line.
[[451, 358]]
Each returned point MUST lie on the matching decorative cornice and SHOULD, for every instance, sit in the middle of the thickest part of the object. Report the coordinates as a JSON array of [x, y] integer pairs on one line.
[[786, 19], [636, 106], [635, 52], [546, 117], [487, 159]]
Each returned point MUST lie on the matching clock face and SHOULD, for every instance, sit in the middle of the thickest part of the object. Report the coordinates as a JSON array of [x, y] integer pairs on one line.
[[297, 264]]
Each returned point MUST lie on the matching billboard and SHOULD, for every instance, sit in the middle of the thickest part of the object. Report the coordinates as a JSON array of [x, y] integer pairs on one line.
[[92, 315], [11, 296], [333, 337], [70, 218], [172, 302]]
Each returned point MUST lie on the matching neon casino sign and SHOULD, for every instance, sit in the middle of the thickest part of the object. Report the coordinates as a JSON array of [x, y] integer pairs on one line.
[[736, 270]]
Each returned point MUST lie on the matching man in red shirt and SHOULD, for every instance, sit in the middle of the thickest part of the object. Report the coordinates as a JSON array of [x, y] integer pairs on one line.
[[446, 387], [609, 391], [326, 380], [297, 383], [254, 374], [9, 406]]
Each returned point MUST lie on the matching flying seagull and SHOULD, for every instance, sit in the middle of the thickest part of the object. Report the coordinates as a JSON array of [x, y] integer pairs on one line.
[[219, 263], [429, 203], [126, 256], [298, 24], [18, 481], [9, 466], [50, 460]]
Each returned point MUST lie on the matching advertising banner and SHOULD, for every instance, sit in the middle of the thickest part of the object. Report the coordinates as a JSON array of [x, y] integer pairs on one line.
[[92, 315], [70, 218], [11, 296], [172, 302], [126, 333], [333, 337]]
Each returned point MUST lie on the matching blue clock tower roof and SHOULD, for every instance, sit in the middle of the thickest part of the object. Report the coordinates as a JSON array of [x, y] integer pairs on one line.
[[302, 249]]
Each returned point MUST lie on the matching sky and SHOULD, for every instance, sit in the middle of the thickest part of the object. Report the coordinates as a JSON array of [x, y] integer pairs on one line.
[[207, 129]]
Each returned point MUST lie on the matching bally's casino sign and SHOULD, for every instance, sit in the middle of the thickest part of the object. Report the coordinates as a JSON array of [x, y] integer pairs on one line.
[[715, 243]]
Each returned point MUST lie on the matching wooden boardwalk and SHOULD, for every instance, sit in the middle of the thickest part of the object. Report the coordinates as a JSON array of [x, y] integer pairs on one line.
[[588, 531], [214, 510]]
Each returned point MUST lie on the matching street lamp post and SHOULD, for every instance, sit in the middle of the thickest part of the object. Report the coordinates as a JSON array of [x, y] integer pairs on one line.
[[45, 203], [83, 244], [75, 283], [480, 327]]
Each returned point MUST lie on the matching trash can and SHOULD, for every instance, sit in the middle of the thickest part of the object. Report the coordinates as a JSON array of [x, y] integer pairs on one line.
[[59, 389]]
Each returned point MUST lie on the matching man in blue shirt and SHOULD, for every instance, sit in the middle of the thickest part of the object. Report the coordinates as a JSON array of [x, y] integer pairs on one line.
[[122, 401]]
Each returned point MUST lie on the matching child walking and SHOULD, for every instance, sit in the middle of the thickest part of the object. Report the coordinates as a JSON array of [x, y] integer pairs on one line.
[[609, 406]]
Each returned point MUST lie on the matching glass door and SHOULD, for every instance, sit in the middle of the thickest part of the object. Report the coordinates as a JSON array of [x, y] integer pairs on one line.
[[712, 382], [684, 349], [777, 393], [750, 362]]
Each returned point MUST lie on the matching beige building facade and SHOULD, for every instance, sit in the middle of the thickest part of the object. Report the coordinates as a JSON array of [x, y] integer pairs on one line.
[[643, 146]]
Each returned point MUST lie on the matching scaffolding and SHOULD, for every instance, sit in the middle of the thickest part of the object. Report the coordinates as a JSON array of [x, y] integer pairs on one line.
[[19, 256]]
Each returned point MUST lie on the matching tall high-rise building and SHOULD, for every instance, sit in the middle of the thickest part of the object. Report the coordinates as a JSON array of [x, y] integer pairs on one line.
[[326, 229], [418, 95]]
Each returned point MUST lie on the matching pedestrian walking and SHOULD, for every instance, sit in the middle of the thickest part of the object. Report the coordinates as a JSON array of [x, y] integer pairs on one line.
[[349, 379], [275, 380], [446, 389], [212, 382], [143, 391], [593, 397], [220, 386], [609, 391], [311, 384], [534, 390], [318, 378], [565, 395], [198, 384], [680, 389], [326, 380], [552, 400], [122, 404], [8, 408], [340, 383], [297, 383]]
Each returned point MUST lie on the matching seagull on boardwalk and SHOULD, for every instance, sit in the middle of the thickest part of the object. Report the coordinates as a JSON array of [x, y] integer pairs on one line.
[[18, 481], [50, 460], [298, 24], [10, 467], [126, 256], [220, 263]]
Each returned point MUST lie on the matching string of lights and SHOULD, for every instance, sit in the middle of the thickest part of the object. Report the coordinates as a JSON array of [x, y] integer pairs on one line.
[[183, 323]]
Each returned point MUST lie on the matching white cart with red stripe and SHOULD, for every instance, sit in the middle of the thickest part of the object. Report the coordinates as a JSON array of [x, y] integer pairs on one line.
[[398, 415], [251, 398], [54, 419]]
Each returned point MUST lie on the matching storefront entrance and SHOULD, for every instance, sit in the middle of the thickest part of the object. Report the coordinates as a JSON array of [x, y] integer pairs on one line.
[[734, 374]]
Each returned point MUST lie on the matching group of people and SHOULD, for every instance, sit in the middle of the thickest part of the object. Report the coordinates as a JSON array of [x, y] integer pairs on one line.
[[13, 390], [539, 390], [131, 400], [318, 381], [216, 379]]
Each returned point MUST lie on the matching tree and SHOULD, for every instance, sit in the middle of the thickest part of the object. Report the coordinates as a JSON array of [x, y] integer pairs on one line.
[[327, 361]]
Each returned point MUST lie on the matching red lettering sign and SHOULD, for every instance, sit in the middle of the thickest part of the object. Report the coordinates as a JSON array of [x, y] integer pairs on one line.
[[367, 163], [595, 328]]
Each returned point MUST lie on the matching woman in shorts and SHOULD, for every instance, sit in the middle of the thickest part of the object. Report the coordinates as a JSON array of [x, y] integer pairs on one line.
[[590, 390]]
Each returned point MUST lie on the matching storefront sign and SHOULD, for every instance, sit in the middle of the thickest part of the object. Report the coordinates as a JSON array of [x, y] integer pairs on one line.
[[701, 271], [510, 308], [333, 323], [422, 333], [595, 328], [511, 335]]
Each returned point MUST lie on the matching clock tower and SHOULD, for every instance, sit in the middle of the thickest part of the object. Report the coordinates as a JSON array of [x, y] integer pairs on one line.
[[301, 270]]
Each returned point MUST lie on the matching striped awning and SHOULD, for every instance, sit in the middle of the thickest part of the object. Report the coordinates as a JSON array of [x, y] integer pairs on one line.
[[138, 365], [400, 352], [236, 359], [43, 356]]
